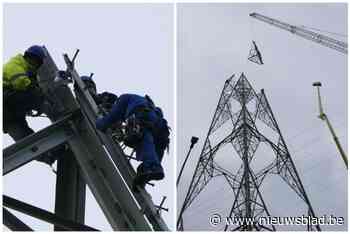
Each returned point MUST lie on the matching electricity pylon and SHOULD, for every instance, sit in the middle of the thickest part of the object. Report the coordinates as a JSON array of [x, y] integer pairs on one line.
[[245, 137]]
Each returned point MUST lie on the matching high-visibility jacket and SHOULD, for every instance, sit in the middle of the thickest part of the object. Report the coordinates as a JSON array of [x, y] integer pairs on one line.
[[15, 74]]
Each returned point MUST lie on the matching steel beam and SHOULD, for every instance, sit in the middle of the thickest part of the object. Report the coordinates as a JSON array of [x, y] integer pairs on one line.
[[44, 215], [105, 182], [57, 94], [70, 190], [128, 173], [104, 179], [35, 145], [13, 223], [90, 110], [110, 192], [70, 185]]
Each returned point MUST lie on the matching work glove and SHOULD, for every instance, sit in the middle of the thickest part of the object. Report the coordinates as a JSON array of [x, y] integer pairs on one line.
[[63, 74], [63, 78], [31, 74]]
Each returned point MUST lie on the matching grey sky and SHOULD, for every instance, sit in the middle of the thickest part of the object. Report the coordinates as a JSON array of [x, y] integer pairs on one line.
[[213, 43], [129, 47]]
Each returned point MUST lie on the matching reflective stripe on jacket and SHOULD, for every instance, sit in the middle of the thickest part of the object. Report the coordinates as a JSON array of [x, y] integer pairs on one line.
[[15, 73]]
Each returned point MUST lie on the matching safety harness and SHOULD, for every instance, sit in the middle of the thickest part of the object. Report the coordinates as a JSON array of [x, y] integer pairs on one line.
[[134, 131], [131, 132], [136, 124]]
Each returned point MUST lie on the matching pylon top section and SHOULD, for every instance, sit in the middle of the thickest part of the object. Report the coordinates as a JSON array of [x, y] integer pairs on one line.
[[243, 91]]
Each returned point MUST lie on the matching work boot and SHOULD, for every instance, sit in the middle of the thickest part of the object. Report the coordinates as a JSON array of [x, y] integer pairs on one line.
[[156, 173], [144, 175], [148, 174]]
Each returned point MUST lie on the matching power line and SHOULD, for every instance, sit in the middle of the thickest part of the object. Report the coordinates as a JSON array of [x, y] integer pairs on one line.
[[300, 150], [199, 209], [313, 140], [314, 126]]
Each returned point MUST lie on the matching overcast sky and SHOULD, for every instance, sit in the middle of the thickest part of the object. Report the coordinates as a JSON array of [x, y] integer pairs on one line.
[[129, 47], [213, 43]]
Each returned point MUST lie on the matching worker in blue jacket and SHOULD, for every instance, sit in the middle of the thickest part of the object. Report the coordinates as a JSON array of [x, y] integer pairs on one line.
[[155, 133]]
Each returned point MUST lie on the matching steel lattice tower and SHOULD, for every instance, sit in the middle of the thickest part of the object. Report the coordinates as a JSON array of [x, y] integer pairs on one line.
[[245, 138]]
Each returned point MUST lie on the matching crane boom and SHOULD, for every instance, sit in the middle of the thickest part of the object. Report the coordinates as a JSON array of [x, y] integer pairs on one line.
[[307, 34]]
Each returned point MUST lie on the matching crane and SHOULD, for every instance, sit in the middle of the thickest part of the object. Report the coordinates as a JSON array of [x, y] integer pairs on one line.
[[307, 34], [324, 117]]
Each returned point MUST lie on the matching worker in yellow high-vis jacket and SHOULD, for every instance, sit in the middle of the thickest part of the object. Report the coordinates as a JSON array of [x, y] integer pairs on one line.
[[21, 92]]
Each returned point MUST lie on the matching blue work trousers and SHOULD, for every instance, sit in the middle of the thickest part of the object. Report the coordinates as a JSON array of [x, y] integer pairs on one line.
[[146, 150]]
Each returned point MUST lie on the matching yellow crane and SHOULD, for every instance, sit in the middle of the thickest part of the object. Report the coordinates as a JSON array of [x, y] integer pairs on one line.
[[324, 117]]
